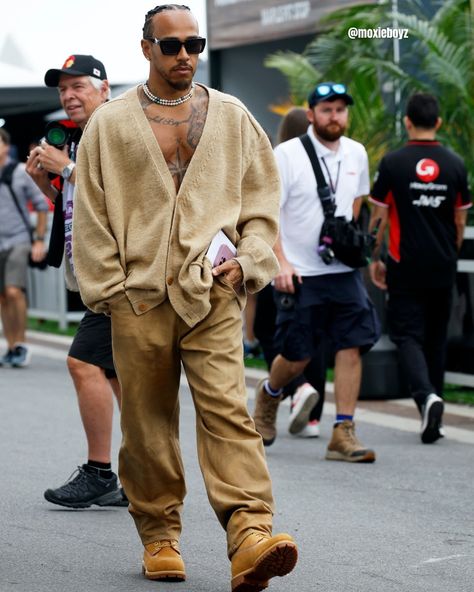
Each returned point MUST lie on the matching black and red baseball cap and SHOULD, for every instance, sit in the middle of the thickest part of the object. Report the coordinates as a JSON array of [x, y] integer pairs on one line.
[[77, 65]]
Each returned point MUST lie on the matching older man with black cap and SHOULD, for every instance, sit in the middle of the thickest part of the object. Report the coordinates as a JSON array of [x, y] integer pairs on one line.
[[83, 86], [319, 295]]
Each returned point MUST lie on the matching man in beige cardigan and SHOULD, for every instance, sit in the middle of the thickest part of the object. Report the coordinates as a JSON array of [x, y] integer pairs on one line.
[[161, 170]]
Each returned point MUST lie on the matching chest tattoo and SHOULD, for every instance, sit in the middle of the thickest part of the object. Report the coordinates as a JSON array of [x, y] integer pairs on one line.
[[178, 138], [178, 165], [194, 122]]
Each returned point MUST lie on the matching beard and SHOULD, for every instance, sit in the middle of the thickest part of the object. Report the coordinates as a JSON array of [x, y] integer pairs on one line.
[[183, 84], [330, 132]]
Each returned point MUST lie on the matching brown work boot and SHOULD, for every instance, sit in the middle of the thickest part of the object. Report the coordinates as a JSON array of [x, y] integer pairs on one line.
[[162, 561], [261, 557], [265, 413], [344, 445]]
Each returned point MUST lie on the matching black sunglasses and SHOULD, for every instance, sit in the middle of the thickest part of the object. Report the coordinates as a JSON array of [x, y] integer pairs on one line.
[[173, 46]]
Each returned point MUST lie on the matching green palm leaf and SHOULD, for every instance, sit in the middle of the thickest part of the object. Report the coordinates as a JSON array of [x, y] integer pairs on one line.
[[438, 57]]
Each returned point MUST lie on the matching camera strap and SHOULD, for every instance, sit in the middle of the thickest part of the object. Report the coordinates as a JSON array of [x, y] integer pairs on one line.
[[324, 193], [7, 173], [6, 178]]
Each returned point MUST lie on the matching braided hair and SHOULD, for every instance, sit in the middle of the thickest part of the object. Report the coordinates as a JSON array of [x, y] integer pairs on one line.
[[147, 27]]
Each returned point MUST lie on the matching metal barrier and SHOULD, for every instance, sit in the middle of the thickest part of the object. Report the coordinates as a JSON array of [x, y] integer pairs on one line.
[[47, 297], [47, 293], [460, 358]]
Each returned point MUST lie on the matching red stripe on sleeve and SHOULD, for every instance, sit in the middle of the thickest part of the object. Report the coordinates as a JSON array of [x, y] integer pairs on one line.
[[394, 232]]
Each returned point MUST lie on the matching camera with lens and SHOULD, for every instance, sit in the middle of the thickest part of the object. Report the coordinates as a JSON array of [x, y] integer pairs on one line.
[[57, 134], [286, 301]]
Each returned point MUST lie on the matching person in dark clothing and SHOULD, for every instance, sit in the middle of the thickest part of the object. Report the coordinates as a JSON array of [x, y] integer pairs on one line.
[[421, 192], [293, 124]]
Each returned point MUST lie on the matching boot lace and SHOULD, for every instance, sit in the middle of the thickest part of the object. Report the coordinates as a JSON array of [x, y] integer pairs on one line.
[[78, 484], [158, 545], [351, 438], [270, 409]]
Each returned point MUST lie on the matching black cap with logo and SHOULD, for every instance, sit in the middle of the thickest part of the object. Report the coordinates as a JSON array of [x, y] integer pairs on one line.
[[77, 65]]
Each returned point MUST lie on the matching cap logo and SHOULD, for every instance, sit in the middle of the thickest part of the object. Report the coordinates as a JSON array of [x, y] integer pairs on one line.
[[427, 170], [96, 72], [69, 62]]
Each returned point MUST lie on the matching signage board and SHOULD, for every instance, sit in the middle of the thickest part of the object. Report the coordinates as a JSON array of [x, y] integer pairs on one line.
[[241, 22]]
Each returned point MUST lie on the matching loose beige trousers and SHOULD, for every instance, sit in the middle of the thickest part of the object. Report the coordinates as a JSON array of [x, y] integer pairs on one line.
[[148, 351]]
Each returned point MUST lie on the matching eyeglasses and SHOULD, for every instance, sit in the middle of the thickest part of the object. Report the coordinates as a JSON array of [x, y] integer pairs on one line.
[[173, 46]]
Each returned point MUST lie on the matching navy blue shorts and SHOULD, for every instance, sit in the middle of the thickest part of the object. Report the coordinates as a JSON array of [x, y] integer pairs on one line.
[[333, 305], [92, 342]]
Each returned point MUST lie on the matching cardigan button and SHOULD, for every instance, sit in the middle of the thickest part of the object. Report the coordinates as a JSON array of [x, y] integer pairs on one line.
[[169, 281]]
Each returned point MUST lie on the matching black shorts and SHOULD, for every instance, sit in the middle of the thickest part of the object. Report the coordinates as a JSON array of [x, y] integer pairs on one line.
[[93, 342], [335, 306]]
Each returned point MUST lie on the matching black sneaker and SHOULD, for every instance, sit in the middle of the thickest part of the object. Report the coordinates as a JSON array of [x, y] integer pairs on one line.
[[252, 350], [123, 501], [6, 358], [85, 489], [20, 357], [431, 424]]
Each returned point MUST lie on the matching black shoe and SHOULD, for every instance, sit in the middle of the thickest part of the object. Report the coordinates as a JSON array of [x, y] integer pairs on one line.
[[123, 501], [6, 358], [252, 350], [85, 489], [20, 357], [431, 425]]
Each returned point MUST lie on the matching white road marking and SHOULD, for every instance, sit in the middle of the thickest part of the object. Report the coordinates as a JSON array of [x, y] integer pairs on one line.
[[440, 559]]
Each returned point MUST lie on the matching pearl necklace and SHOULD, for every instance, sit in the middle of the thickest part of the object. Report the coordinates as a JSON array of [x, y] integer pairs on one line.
[[167, 102]]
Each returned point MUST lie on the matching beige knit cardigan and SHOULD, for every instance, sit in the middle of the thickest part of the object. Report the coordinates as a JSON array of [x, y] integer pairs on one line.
[[135, 236]]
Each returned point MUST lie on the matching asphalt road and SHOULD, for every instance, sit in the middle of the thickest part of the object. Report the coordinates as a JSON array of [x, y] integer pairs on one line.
[[404, 524]]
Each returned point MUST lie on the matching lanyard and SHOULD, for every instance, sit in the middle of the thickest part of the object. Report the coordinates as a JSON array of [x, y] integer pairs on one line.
[[73, 151], [332, 186]]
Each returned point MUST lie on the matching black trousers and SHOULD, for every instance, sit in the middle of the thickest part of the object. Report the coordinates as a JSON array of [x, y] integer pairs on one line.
[[417, 319], [264, 329]]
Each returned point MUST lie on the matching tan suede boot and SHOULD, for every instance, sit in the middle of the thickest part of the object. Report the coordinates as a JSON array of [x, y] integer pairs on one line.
[[265, 413], [162, 561], [261, 557], [344, 445]]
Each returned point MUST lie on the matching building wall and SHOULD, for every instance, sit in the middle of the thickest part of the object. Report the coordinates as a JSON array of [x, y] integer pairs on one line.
[[240, 72]]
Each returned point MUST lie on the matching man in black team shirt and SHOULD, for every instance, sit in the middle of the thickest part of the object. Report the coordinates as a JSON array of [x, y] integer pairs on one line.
[[421, 191]]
